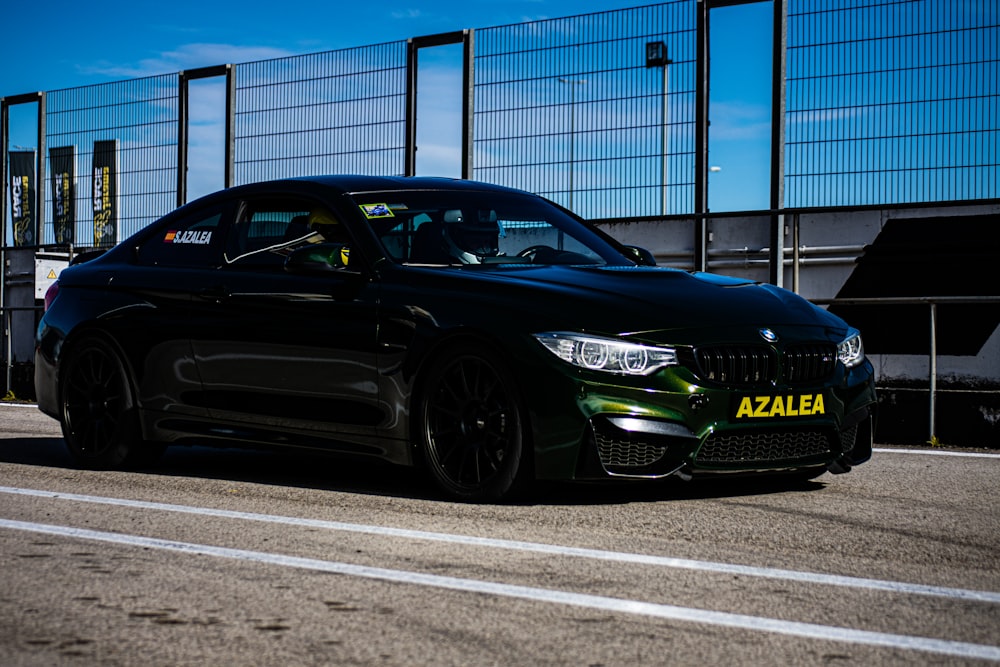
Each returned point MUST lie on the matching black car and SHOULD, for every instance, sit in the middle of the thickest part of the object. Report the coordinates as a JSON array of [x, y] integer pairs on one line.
[[484, 332]]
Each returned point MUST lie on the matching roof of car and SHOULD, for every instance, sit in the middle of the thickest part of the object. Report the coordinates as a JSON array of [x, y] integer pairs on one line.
[[342, 184], [355, 183]]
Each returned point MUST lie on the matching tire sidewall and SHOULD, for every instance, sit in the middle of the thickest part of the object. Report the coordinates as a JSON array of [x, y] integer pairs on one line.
[[113, 454], [513, 476]]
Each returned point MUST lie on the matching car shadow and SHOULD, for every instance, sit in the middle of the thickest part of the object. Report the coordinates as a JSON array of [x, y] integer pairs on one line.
[[47, 452], [326, 472], [671, 489]]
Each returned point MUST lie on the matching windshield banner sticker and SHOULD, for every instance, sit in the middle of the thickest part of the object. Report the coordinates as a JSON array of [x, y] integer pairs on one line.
[[376, 211]]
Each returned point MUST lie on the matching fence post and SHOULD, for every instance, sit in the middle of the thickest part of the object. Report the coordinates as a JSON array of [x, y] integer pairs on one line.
[[933, 372], [10, 348]]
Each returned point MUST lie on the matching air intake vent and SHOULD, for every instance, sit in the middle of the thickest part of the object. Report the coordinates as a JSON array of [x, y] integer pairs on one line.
[[627, 452], [764, 447]]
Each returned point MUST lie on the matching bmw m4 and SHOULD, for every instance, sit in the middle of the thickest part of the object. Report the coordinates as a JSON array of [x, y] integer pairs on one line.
[[481, 332]]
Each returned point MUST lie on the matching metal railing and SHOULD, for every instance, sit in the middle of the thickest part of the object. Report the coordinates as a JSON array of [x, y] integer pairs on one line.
[[884, 101], [932, 302]]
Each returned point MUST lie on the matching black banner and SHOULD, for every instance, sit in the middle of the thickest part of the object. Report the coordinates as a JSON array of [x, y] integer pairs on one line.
[[22, 196], [104, 193], [62, 162]]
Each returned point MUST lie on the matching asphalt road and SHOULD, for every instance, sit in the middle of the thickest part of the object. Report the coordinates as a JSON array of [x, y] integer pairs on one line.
[[248, 558]]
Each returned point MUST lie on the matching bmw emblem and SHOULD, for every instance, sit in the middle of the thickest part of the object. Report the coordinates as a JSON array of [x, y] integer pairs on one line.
[[768, 335]]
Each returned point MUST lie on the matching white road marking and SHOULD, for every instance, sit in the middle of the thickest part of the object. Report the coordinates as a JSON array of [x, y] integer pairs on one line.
[[600, 603], [537, 547], [937, 452]]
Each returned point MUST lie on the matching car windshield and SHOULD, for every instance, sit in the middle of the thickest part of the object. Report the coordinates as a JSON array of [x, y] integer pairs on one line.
[[443, 227]]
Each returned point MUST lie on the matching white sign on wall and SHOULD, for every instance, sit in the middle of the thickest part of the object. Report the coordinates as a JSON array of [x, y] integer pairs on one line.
[[46, 272]]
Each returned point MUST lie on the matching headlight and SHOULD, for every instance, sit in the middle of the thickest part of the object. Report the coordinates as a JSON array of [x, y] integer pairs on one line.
[[607, 354], [851, 351]]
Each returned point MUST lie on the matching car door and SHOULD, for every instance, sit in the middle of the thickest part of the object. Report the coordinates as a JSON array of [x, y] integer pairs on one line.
[[290, 356], [169, 268]]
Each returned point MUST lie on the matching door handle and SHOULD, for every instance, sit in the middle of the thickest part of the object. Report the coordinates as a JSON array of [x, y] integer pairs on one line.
[[215, 293]]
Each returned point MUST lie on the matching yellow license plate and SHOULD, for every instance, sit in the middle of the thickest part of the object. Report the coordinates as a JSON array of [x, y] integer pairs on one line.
[[780, 406]]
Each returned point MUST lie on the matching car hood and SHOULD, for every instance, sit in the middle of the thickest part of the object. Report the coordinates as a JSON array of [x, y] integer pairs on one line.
[[643, 300]]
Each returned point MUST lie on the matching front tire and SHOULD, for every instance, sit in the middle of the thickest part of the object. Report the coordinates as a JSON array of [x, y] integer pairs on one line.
[[99, 421], [472, 427]]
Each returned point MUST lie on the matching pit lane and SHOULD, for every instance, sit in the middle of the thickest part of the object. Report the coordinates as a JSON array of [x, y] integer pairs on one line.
[[253, 558]]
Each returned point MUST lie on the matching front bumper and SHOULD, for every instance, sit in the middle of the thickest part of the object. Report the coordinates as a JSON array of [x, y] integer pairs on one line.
[[642, 448], [691, 430]]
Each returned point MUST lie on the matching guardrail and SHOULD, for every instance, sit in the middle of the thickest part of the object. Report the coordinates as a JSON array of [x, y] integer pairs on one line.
[[759, 258], [932, 303]]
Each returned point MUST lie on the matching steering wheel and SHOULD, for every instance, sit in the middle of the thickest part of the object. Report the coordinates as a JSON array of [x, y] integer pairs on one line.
[[532, 250]]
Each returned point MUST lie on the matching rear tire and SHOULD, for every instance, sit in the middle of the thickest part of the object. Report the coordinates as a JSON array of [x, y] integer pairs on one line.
[[99, 418], [472, 428]]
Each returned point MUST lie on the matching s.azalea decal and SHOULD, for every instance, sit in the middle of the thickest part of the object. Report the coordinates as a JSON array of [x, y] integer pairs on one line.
[[188, 237]]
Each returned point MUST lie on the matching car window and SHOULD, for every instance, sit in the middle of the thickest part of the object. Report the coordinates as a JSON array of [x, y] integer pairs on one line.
[[466, 227], [194, 240], [268, 230]]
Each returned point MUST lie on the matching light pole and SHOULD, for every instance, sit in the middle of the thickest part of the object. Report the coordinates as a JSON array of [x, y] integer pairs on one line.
[[656, 56], [572, 129]]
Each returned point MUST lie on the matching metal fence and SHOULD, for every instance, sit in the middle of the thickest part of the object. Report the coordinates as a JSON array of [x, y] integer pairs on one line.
[[885, 101], [141, 116], [572, 109], [333, 112], [892, 101]]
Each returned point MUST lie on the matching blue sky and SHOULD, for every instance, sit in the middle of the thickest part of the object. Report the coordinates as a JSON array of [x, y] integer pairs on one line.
[[51, 45], [57, 44]]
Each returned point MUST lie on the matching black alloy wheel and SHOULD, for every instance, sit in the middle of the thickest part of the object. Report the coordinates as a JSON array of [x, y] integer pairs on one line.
[[472, 429], [98, 419]]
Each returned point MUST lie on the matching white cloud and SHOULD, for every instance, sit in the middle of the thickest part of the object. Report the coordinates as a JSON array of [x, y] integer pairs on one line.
[[188, 56], [407, 14], [739, 121]]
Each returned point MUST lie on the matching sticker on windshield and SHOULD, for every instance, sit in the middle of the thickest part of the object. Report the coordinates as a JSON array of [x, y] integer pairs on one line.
[[189, 237], [376, 211]]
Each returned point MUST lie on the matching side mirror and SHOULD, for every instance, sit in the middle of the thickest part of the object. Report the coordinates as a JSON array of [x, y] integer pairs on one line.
[[318, 258], [640, 256], [86, 256]]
